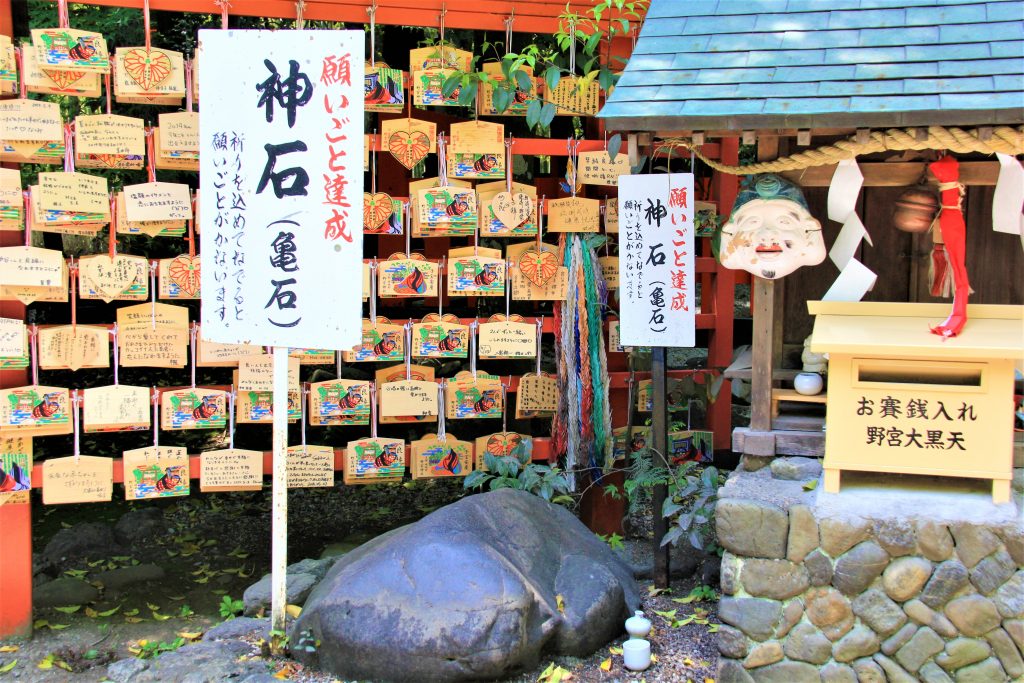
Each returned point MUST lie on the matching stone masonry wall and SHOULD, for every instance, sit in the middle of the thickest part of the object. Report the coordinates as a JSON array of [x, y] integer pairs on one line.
[[811, 596]]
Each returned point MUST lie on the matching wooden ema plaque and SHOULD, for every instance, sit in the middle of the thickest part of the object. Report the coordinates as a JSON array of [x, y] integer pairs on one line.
[[507, 338], [381, 342], [230, 469], [195, 408], [537, 396], [339, 402], [420, 373], [122, 278], [476, 276], [68, 347], [156, 472], [440, 337], [257, 406], [433, 458], [374, 460], [503, 445], [476, 398], [82, 479], [15, 468], [116, 408], [35, 410], [310, 467]]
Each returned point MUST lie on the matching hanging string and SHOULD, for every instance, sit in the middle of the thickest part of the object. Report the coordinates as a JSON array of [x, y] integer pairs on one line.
[[189, 107], [407, 210], [73, 276], [224, 7], [231, 417], [472, 347], [572, 47], [508, 293], [442, 161], [33, 343], [69, 148], [408, 350], [63, 19], [373, 162], [106, 79], [573, 147], [540, 222], [117, 353], [302, 414], [372, 11], [373, 410], [191, 239], [444, 11], [373, 292], [540, 331], [508, 164], [440, 292], [504, 404], [151, 153], [145, 24], [337, 364], [508, 30], [441, 435], [300, 15], [74, 422], [152, 292], [156, 418], [193, 335], [29, 218], [22, 81], [112, 233]]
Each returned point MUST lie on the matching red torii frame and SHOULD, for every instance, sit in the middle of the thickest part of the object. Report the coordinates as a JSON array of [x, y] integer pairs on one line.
[[532, 16]]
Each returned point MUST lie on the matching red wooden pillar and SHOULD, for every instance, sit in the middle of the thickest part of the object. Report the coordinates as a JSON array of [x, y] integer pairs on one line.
[[720, 343], [15, 518]]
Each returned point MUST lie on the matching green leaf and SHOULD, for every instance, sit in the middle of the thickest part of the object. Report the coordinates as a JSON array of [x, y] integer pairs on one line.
[[475, 479], [8, 666], [451, 83], [811, 485], [670, 508], [591, 44], [606, 79], [547, 114], [552, 75], [524, 81], [533, 111], [70, 609], [500, 99], [614, 145], [672, 536]]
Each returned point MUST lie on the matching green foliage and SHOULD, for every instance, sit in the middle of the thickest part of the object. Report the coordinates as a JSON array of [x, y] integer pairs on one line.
[[307, 643], [229, 608], [148, 649], [518, 472], [614, 541], [690, 505], [698, 594]]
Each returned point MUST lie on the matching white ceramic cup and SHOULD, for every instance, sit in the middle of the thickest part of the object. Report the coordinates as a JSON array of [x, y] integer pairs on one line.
[[636, 654], [808, 383]]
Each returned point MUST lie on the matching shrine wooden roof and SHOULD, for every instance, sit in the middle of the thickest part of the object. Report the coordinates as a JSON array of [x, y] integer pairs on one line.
[[745, 64]]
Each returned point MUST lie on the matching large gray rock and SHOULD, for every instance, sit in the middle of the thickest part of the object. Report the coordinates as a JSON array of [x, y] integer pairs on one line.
[[947, 579], [896, 536], [934, 541], [140, 525], [879, 612], [807, 644], [754, 616], [64, 591], [993, 572], [858, 567], [796, 469], [776, 579], [839, 534], [122, 577], [90, 539], [1009, 598], [468, 592], [905, 577], [973, 615], [258, 596], [751, 528], [238, 627], [204, 662], [973, 542]]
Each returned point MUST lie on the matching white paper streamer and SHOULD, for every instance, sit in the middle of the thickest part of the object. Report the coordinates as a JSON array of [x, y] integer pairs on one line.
[[853, 283], [855, 279], [1008, 199]]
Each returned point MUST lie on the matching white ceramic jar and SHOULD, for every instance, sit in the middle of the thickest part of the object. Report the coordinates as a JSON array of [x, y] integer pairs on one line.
[[636, 654], [638, 626], [808, 383]]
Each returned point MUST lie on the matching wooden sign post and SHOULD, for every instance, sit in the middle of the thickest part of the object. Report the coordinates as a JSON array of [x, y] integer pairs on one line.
[[658, 278], [275, 295]]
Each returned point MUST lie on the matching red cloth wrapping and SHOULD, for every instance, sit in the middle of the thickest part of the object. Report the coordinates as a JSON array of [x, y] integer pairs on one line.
[[954, 234]]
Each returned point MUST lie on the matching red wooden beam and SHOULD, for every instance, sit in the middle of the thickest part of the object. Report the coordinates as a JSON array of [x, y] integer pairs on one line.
[[530, 16]]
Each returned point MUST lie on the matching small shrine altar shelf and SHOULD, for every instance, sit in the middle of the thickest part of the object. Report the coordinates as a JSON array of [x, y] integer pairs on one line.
[[904, 400]]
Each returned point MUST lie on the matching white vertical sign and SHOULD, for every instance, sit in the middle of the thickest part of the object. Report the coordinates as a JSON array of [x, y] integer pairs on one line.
[[281, 179], [656, 260]]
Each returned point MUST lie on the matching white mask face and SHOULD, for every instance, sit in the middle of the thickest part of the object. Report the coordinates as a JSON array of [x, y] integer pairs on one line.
[[771, 238]]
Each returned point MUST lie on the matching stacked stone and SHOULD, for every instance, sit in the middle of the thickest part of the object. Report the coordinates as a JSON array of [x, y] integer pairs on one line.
[[847, 600]]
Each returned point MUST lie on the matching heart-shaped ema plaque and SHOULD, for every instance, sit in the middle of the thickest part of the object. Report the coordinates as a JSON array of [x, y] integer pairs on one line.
[[109, 277], [512, 209], [538, 266], [184, 272], [62, 79], [409, 147], [502, 444], [148, 68], [376, 210]]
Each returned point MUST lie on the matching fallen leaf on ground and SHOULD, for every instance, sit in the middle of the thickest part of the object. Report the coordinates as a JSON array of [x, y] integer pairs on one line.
[[615, 650], [70, 609], [811, 485], [560, 603], [8, 666], [161, 617], [606, 665], [10, 648], [293, 611], [190, 635], [110, 612]]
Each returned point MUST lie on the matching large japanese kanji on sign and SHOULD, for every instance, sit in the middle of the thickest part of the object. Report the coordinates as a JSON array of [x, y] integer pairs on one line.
[[281, 134], [656, 266]]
